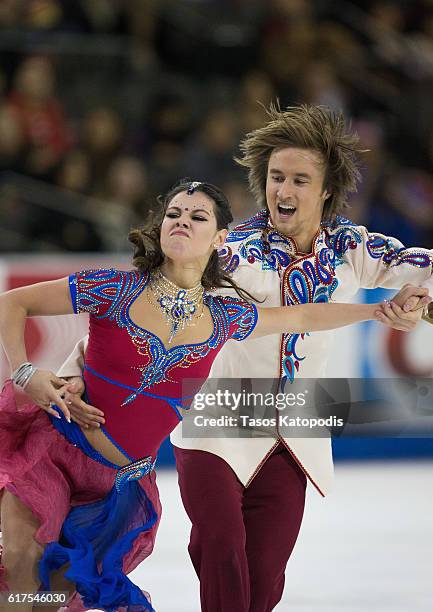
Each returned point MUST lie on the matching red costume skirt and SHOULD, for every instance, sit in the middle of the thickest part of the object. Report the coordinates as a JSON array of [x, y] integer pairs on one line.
[[50, 476]]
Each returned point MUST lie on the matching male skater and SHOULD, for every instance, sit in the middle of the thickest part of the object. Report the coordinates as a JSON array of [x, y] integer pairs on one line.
[[245, 496]]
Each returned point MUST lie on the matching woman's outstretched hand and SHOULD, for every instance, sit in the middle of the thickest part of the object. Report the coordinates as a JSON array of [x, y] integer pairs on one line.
[[46, 389], [405, 309], [83, 414]]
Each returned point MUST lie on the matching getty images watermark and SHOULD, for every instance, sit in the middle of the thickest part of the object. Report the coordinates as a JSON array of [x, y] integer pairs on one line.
[[235, 401], [308, 408]]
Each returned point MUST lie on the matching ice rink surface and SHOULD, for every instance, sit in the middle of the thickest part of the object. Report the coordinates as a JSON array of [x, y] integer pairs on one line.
[[366, 548]]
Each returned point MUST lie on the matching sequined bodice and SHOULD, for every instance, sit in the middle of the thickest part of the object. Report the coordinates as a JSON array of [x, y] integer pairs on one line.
[[130, 374]]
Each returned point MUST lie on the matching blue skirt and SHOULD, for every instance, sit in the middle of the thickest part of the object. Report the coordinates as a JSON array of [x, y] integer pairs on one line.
[[96, 536]]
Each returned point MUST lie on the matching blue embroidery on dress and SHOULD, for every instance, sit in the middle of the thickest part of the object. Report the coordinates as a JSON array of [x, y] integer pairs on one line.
[[243, 315], [173, 402], [134, 471], [225, 311], [95, 291], [163, 360]]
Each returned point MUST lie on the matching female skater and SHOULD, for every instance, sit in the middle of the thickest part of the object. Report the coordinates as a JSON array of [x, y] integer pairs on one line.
[[84, 503]]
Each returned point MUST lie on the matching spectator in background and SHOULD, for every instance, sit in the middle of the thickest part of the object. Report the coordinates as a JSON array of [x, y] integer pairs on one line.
[[102, 138], [124, 203], [54, 230], [387, 29], [14, 213], [12, 140], [165, 165], [396, 199], [288, 44], [10, 13], [255, 87], [376, 62], [41, 117], [209, 155], [321, 86], [142, 20], [2, 85], [170, 118], [373, 170], [96, 16], [421, 47], [337, 45], [45, 15], [405, 204], [168, 125], [242, 203], [75, 172]]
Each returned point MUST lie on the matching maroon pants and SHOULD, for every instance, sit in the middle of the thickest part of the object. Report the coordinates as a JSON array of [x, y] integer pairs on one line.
[[241, 538]]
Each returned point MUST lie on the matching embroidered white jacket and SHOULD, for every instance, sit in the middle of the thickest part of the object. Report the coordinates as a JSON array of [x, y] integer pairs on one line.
[[344, 258]]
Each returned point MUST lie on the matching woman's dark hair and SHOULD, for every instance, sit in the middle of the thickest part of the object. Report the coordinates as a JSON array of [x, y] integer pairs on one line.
[[148, 254]]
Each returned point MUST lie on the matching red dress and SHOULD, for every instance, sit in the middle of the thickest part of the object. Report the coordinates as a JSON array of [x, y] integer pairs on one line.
[[137, 382], [129, 373]]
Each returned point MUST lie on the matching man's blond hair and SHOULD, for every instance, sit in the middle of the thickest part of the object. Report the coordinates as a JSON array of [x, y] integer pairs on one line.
[[316, 128]]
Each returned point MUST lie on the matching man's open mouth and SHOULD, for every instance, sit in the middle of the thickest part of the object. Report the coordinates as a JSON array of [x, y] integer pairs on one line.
[[286, 210]]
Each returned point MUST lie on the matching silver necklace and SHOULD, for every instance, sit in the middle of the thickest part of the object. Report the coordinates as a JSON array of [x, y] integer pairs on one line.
[[178, 305]]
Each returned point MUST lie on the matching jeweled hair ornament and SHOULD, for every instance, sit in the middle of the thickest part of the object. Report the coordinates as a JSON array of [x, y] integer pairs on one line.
[[193, 186]]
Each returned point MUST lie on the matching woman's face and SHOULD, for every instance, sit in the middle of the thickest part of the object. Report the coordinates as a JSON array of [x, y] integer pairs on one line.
[[189, 229]]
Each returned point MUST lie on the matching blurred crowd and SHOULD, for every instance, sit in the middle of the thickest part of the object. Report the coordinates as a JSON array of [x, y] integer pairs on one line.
[[105, 104]]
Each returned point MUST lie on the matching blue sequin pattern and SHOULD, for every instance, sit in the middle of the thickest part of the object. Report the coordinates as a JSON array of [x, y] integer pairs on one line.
[[309, 278], [110, 294], [134, 471], [381, 247], [94, 291]]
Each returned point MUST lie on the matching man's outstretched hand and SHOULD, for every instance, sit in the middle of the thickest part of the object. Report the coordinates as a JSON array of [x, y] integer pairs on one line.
[[405, 309], [83, 414]]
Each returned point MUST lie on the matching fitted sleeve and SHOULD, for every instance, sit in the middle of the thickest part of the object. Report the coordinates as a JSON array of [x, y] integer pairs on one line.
[[95, 291], [241, 317], [382, 261]]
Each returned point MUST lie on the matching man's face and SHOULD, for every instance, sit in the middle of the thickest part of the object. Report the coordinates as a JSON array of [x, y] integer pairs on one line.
[[295, 194]]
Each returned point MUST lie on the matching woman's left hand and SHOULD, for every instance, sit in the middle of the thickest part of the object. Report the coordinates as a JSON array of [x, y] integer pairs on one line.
[[391, 314], [405, 309]]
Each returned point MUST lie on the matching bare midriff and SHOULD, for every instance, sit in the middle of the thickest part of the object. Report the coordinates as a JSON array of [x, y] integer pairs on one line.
[[99, 441]]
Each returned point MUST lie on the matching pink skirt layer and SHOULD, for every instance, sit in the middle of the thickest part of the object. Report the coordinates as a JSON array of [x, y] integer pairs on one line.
[[50, 475]]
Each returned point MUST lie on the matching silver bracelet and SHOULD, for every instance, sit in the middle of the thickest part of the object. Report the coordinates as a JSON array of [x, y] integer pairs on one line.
[[23, 374]]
